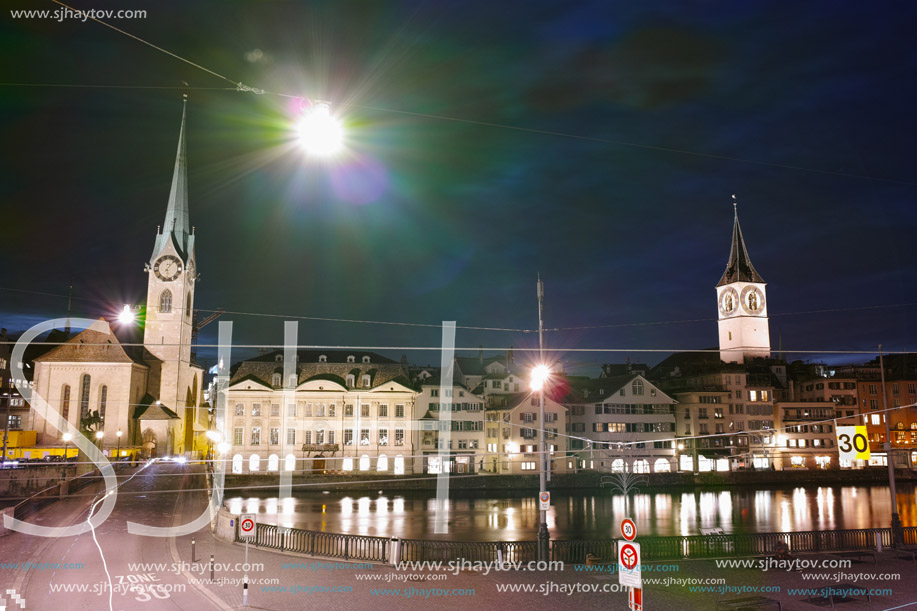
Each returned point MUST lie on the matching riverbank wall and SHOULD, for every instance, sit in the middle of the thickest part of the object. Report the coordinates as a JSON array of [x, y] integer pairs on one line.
[[575, 482]]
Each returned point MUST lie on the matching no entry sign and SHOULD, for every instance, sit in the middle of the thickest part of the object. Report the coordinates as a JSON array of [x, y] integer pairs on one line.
[[247, 525], [629, 564]]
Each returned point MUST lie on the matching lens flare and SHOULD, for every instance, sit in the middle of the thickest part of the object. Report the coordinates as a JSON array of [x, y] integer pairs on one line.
[[320, 133]]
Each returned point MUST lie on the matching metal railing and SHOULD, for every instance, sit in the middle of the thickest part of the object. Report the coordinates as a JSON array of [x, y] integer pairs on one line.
[[379, 549]]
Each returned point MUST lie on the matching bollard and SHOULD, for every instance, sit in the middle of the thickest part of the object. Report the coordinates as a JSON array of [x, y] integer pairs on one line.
[[211, 568], [396, 551], [193, 557], [245, 592]]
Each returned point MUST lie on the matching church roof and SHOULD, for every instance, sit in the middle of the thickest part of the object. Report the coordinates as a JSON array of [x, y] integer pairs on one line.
[[739, 267], [96, 344], [177, 226], [151, 409]]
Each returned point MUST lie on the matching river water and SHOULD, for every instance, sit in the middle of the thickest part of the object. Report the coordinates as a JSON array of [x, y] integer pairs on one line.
[[494, 517]]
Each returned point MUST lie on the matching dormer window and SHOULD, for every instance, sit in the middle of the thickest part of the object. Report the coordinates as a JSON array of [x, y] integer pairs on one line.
[[351, 359], [275, 379], [278, 358], [350, 380], [366, 381], [365, 359], [323, 358]]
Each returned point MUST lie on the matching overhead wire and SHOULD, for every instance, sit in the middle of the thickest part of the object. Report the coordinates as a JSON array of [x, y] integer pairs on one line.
[[239, 86]]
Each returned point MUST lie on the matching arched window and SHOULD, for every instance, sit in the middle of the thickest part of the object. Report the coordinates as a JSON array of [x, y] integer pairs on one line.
[[617, 465], [364, 462], [399, 465], [366, 381], [165, 301], [254, 462], [237, 463], [84, 395], [103, 399], [291, 382], [350, 380], [322, 358], [275, 379], [382, 463], [273, 462], [637, 387], [347, 464], [188, 305], [365, 359], [641, 466], [351, 359], [289, 463], [661, 466], [65, 402]]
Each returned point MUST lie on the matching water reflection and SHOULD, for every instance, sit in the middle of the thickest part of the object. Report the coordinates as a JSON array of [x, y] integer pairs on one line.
[[573, 516]]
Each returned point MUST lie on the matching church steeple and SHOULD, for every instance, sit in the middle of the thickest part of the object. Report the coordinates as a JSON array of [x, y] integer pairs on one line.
[[739, 267], [177, 226]]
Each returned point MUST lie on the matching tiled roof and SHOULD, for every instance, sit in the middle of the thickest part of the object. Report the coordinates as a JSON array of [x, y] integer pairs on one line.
[[97, 344], [380, 369]]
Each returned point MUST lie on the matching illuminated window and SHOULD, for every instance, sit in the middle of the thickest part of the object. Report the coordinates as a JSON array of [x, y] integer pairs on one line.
[[165, 301]]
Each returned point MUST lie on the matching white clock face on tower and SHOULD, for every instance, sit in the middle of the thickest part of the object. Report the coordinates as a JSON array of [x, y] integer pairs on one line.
[[752, 300], [167, 268], [729, 301]]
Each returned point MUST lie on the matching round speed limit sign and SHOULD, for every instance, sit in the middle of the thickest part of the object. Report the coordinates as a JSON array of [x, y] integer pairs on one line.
[[628, 529]]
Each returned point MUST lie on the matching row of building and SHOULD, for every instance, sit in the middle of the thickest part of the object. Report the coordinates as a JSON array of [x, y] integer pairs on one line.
[[736, 407]]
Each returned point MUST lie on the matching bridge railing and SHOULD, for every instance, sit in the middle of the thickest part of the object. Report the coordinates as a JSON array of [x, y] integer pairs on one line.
[[381, 549]]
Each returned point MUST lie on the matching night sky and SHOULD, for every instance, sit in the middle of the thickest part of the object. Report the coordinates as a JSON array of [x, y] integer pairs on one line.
[[640, 120]]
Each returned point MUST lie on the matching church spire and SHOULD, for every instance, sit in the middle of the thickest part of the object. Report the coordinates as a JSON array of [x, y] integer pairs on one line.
[[739, 267], [177, 225]]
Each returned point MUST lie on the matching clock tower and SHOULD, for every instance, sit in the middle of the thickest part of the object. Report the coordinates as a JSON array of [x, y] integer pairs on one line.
[[742, 305], [170, 296]]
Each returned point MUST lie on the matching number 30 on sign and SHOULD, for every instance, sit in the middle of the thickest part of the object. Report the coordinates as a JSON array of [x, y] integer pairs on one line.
[[852, 443]]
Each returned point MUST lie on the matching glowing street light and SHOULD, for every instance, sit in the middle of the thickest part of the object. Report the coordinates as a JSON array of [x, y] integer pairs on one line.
[[320, 133], [67, 438], [126, 316], [540, 375], [118, 455]]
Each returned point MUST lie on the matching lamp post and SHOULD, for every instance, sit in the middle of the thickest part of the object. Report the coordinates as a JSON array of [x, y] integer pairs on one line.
[[539, 376], [99, 436], [897, 532], [118, 455]]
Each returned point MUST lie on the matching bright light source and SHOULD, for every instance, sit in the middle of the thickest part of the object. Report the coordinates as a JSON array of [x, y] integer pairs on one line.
[[214, 436], [118, 433], [67, 436], [181, 460], [223, 447], [320, 133], [126, 316], [100, 434], [681, 446], [539, 377]]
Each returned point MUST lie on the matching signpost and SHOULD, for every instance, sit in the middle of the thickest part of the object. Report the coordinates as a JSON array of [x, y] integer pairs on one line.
[[852, 443], [544, 500], [629, 573], [247, 527]]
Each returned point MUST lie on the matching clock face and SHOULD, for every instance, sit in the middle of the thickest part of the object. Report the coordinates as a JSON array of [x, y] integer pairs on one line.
[[729, 301], [167, 268], [752, 300]]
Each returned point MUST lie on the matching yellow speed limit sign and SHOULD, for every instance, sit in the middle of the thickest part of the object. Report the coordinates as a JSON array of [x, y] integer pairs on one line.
[[852, 442]]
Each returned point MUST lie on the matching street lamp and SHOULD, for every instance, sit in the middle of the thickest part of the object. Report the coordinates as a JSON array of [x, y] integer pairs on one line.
[[118, 456], [212, 438], [320, 132], [67, 438], [539, 376], [99, 436]]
